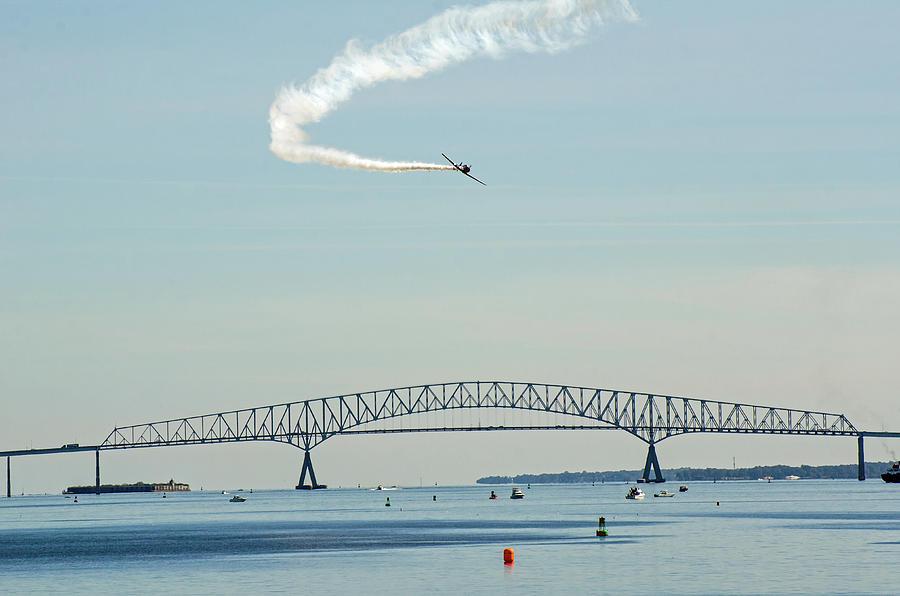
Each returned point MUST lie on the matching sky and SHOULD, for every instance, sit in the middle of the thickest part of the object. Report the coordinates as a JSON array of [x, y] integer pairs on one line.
[[701, 203]]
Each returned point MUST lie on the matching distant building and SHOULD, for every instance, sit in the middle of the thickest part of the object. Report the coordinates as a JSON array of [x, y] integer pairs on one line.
[[171, 486]]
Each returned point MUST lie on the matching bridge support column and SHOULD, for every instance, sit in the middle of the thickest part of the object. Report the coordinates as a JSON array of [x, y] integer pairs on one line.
[[8, 487], [307, 467], [97, 478], [652, 461], [861, 461]]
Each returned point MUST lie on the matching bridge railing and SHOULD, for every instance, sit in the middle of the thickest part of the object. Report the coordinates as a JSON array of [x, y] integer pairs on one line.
[[649, 417]]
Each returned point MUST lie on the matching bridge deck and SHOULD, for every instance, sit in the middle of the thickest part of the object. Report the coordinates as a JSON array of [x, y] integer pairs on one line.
[[305, 424], [48, 451]]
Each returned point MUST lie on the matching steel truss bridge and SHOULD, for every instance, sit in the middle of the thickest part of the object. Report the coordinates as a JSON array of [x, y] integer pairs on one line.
[[306, 424]]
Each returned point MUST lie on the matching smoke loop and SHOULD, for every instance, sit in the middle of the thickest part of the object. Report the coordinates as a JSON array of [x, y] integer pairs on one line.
[[456, 35]]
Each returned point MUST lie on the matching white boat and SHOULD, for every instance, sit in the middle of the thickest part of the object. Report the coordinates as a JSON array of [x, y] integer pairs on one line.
[[236, 499], [517, 494], [635, 493], [663, 493]]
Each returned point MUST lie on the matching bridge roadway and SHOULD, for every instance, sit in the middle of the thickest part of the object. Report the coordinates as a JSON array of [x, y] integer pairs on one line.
[[307, 423]]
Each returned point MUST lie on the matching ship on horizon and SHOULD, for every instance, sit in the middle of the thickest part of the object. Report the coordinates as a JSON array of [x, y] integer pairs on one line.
[[892, 474]]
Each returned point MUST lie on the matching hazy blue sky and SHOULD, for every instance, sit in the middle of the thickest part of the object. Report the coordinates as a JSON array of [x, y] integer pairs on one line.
[[702, 203]]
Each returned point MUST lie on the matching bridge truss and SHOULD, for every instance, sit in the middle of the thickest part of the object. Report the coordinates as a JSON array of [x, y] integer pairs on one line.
[[649, 417]]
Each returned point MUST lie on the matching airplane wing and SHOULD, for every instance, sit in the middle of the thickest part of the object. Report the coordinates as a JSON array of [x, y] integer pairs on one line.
[[450, 160], [473, 178]]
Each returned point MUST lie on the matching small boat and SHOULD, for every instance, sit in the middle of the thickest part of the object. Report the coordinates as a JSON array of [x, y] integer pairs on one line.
[[892, 474], [682, 489], [635, 493], [517, 494], [792, 478], [236, 499], [224, 492], [663, 493]]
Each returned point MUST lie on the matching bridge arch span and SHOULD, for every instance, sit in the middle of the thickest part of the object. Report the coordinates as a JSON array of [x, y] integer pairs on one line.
[[649, 417]]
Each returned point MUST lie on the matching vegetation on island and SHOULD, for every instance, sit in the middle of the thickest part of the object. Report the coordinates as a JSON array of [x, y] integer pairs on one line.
[[778, 472]]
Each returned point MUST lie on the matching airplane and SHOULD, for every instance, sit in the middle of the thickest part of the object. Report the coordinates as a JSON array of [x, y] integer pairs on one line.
[[464, 169]]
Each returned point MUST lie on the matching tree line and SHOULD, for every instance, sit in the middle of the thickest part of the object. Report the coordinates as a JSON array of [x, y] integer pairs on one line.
[[778, 472]]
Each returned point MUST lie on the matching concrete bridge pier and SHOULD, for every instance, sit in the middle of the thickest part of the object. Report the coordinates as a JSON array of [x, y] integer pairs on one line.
[[861, 461], [308, 468], [652, 461]]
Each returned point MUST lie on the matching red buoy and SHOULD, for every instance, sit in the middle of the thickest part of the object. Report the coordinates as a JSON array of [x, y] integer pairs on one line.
[[509, 556]]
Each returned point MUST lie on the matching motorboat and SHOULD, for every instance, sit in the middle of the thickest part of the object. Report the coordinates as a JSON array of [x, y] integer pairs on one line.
[[236, 499], [517, 494], [635, 493], [892, 474], [663, 493], [682, 489]]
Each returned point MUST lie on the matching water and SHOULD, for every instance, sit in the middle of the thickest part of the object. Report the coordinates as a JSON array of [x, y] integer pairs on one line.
[[807, 537]]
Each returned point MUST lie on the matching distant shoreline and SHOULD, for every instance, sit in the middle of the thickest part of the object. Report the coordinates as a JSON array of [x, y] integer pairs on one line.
[[776, 472]]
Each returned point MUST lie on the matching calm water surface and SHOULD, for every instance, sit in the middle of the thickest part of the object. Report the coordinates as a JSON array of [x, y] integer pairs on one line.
[[807, 537]]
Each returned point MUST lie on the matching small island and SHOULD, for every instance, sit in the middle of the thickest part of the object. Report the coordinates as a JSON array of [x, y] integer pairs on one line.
[[137, 487]]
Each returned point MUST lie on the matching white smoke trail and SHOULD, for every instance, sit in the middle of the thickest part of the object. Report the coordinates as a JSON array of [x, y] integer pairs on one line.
[[454, 36]]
